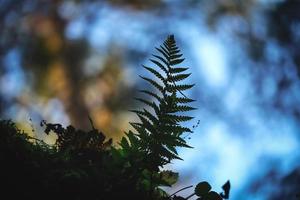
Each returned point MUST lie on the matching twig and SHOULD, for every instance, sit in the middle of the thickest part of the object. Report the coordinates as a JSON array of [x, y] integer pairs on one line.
[[181, 190]]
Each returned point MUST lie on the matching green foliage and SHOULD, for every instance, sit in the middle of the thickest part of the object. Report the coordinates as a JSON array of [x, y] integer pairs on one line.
[[85, 165], [159, 132], [202, 188], [203, 191]]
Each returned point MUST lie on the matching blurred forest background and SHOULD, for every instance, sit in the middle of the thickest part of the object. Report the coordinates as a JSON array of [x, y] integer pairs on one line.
[[65, 60]]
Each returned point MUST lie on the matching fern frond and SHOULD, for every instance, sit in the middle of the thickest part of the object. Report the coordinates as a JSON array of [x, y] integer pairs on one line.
[[176, 61], [147, 125], [142, 133], [164, 50], [160, 133], [161, 66], [174, 70], [175, 56], [124, 143], [178, 118], [162, 59], [183, 100], [182, 144], [179, 77], [133, 139], [163, 151], [151, 117], [136, 111], [174, 51], [151, 94], [173, 88], [154, 83], [175, 128], [172, 149], [153, 71], [147, 114], [164, 53], [144, 101], [151, 104], [183, 108]]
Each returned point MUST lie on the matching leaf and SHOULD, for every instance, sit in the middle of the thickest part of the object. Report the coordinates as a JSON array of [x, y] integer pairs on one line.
[[213, 196], [179, 77], [165, 54], [168, 154], [181, 108], [144, 101], [160, 65], [142, 133], [176, 61], [151, 117], [226, 188], [136, 111], [183, 100], [181, 143], [172, 148], [174, 88], [164, 49], [147, 124], [202, 188], [176, 128], [175, 56], [134, 141], [169, 177], [178, 118], [162, 59], [124, 143], [178, 69], [153, 71], [151, 94], [174, 51], [151, 104], [154, 83]]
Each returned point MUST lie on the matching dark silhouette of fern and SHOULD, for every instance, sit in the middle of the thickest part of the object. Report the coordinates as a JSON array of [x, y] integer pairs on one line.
[[159, 131]]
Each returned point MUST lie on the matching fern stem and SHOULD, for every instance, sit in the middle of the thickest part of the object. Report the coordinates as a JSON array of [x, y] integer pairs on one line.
[[181, 190]]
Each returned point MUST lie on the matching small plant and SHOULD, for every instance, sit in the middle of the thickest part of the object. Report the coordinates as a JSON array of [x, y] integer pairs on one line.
[[159, 131], [85, 165]]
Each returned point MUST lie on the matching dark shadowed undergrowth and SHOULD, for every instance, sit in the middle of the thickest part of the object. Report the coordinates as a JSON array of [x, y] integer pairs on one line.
[[86, 164]]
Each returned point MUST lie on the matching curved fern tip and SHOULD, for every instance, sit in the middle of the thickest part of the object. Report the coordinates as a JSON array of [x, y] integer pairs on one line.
[[171, 37]]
